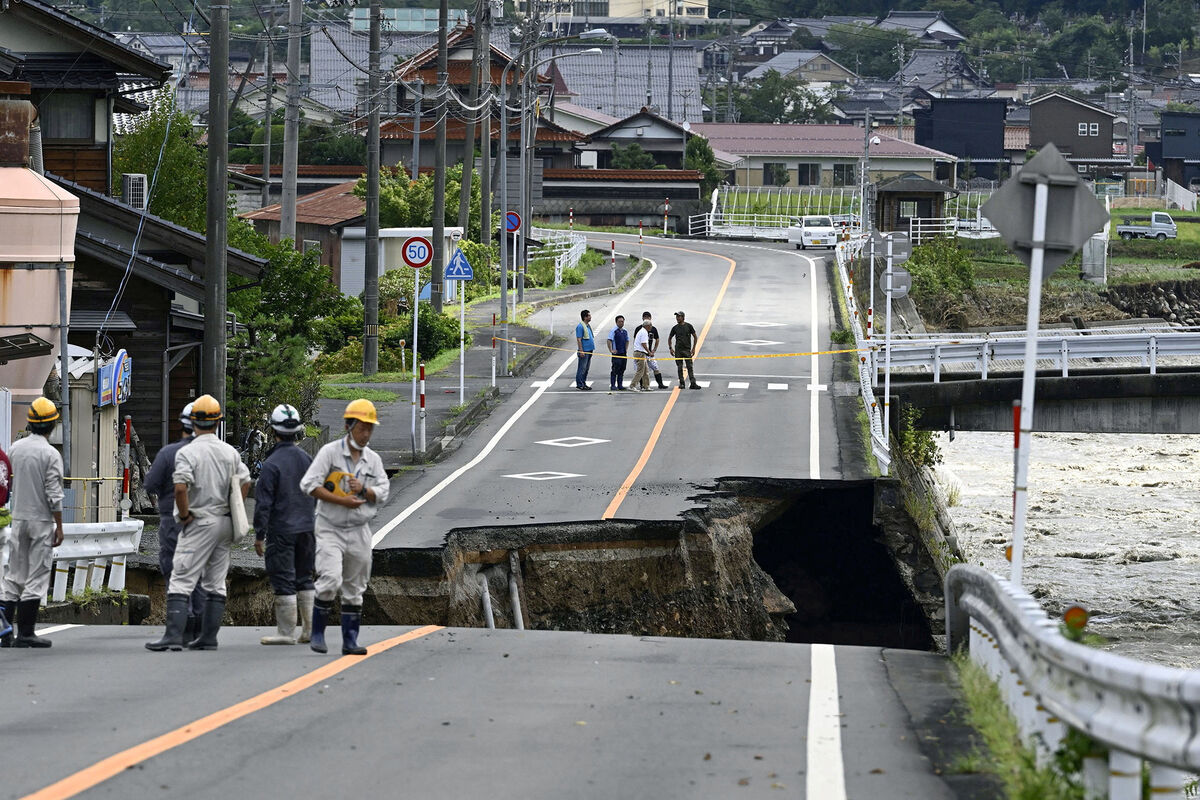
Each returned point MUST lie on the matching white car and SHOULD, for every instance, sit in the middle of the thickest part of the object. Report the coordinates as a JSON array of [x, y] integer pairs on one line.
[[813, 231]]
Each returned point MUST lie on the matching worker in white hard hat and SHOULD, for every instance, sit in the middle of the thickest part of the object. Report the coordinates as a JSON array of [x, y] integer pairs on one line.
[[348, 480], [283, 528], [37, 526], [160, 482], [204, 473]]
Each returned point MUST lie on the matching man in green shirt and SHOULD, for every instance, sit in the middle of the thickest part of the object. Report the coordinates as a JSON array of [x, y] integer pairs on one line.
[[682, 344]]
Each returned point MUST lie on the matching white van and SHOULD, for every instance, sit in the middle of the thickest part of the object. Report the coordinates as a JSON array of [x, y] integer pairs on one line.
[[816, 230]]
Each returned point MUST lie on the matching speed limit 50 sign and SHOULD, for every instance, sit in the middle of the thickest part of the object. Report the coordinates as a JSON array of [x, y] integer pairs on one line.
[[417, 252]]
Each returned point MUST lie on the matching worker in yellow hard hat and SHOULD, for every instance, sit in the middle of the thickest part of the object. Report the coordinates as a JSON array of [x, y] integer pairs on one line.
[[348, 480], [204, 473], [37, 526]]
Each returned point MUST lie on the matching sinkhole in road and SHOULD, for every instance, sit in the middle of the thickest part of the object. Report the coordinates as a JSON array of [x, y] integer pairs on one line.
[[827, 555]]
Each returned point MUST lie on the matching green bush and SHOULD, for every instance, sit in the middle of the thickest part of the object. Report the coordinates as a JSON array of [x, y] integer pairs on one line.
[[918, 446], [332, 333], [350, 359], [572, 276], [941, 266], [1152, 249]]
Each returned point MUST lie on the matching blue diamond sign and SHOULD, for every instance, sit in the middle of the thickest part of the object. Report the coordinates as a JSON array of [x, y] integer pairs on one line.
[[459, 269]]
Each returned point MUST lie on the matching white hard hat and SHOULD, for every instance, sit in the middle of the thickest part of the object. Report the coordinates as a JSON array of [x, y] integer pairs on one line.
[[185, 416], [285, 419]]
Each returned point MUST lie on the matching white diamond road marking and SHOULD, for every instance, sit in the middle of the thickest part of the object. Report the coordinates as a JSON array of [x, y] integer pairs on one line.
[[544, 476], [757, 342], [738, 385], [778, 387], [763, 324], [572, 441]]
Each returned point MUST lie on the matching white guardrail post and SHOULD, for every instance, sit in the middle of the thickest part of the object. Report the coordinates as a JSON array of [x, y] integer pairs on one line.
[[845, 252], [89, 547], [1138, 711]]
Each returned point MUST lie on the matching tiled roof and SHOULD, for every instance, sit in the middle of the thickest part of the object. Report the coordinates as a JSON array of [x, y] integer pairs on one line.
[[577, 110], [400, 129], [754, 139], [622, 174], [333, 79], [304, 170], [591, 79], [333, 206], [1016, 137], [785, 63], [931, 67]]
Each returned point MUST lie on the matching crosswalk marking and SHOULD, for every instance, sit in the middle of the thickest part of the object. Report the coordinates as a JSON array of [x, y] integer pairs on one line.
[[777, 387], [569, 386], [739, 385]]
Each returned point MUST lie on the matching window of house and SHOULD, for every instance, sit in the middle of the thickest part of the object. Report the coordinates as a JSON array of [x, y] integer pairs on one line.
[[1082, 129], [68, 116], [824, 66], [775, 174], [845, 174], [908, 209], [1093, 129], [808, 174], [1174, 132]]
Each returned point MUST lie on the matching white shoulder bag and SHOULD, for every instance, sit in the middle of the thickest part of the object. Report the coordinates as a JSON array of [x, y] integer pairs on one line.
[[237, 508]]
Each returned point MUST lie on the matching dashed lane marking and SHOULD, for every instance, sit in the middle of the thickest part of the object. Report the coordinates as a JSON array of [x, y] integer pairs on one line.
[[777, 387], [738, 385]]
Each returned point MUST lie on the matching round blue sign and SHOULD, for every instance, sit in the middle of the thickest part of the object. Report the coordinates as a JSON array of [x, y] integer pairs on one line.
[[512, 221]]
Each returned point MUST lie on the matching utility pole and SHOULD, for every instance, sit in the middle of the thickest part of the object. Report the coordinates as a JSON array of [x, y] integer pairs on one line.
[[649, 54], [866, 161], [1131, 126], [468, 164], [900, 93], [215, 278], [730, 54], [671, 62], [266, 189], [439, 166], [371, 267], [291, 125], [485, 171]]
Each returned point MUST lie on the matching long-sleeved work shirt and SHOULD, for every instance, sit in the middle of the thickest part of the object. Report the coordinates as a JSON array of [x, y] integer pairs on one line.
[[280, 505], [37, 479], [335, 457], [159, 479], [205, 466]]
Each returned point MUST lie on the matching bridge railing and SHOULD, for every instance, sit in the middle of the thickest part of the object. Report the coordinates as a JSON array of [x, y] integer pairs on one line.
[[1058, 347], [91, 550], [1137, 711], [565, 247], [845, 255]]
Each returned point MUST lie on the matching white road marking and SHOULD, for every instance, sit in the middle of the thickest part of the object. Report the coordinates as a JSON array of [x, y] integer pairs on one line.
[[572, 441], [757, 342], [544, 476], [395, 521], [777, 387], [538, 384], [763, 324], [55, 629], [752, 375], [814, 422], [738, 385], [825, 774], [704, 384]]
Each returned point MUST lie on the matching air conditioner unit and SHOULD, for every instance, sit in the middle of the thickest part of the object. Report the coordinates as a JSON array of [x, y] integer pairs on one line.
[[134, 189]]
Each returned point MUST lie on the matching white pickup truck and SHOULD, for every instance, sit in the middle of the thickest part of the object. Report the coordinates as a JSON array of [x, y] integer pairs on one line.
[[1160, 227], [816, 230]]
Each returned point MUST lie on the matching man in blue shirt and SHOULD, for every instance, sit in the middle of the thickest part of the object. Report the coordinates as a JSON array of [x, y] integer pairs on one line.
[[618, 346], [585, 346]]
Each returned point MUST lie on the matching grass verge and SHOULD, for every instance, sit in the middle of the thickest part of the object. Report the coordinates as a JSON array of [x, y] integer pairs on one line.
[[439, 363], [1011, 760], [339, 392]]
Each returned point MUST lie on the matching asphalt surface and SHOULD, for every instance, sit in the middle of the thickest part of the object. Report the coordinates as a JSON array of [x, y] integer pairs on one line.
[[556, 454], [454, 713]]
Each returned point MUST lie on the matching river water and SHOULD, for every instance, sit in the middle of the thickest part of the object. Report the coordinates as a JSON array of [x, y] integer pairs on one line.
[[1112, 527]]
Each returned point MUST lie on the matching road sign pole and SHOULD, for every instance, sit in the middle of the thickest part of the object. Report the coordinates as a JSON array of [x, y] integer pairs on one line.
[[887, 355], [416, 303], [1029, 377], [462, 345], [871, 318], [613, 261]]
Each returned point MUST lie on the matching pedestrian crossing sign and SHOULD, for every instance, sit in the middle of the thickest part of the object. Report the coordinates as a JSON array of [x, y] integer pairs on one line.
[[459, 269]]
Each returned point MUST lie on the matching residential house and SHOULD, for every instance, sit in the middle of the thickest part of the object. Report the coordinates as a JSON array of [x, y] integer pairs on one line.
[[765, 40], [183, 51], [407, 21], [941, 73], [247, 181], [576, 117], [1082, 131], [820, 27], [885, 102], [625, 78], [79, 75], [806, 66], [337, 58], [1178, 151], [816, 155], [657, 135], [972, 129], [623, 197], [931, 28]]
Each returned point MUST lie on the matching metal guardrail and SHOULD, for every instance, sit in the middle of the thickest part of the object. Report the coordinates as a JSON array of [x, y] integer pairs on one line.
[[923, 228], [88, 548], [565, 247], [1058, 347], [845, 254], [1140, 712]]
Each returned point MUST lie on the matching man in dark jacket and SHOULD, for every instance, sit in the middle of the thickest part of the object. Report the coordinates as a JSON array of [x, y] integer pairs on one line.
[[159, 482], [283, 528]]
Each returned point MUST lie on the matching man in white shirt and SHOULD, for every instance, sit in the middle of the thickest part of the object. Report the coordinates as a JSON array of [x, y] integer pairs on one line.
[[641, 356]]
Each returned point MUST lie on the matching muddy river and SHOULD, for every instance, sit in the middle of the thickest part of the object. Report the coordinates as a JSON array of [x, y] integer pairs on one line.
[[1113, 527]]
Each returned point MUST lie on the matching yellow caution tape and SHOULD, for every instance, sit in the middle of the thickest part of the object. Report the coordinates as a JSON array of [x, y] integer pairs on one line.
[[693, 358]]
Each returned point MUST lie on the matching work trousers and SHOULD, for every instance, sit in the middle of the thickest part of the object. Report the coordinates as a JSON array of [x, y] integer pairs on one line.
[[31, 546], [343, 562], [202, 556], [652, 363], [168, 539], [641, 378], [682, 358], [290, 561], [581, 369], [616, 376]]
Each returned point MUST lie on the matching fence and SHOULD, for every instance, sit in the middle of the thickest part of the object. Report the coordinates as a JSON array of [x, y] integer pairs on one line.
[[90, 550], [1138, 712], [846, 255], [1179, 197], [565, 247]]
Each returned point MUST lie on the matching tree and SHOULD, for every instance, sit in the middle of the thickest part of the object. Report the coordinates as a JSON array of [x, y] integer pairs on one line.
[[405, 203], [698, 155], [631, 156], [774, 98], [868, 50], [177, 191]]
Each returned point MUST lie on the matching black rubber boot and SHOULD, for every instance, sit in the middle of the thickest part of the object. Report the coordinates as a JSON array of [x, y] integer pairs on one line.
[[27, 611], [658, 377], [351, 619], [191, 630], [8, 611], [321, 609], [214, 610], [172, 638]]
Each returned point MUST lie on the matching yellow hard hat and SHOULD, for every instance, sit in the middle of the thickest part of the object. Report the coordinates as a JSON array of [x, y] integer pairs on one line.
[[361, 410], [42, 410], [205, 408]]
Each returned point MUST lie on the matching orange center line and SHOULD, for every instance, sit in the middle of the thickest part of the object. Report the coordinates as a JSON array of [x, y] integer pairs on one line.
[[627, 484], [101, 771]]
